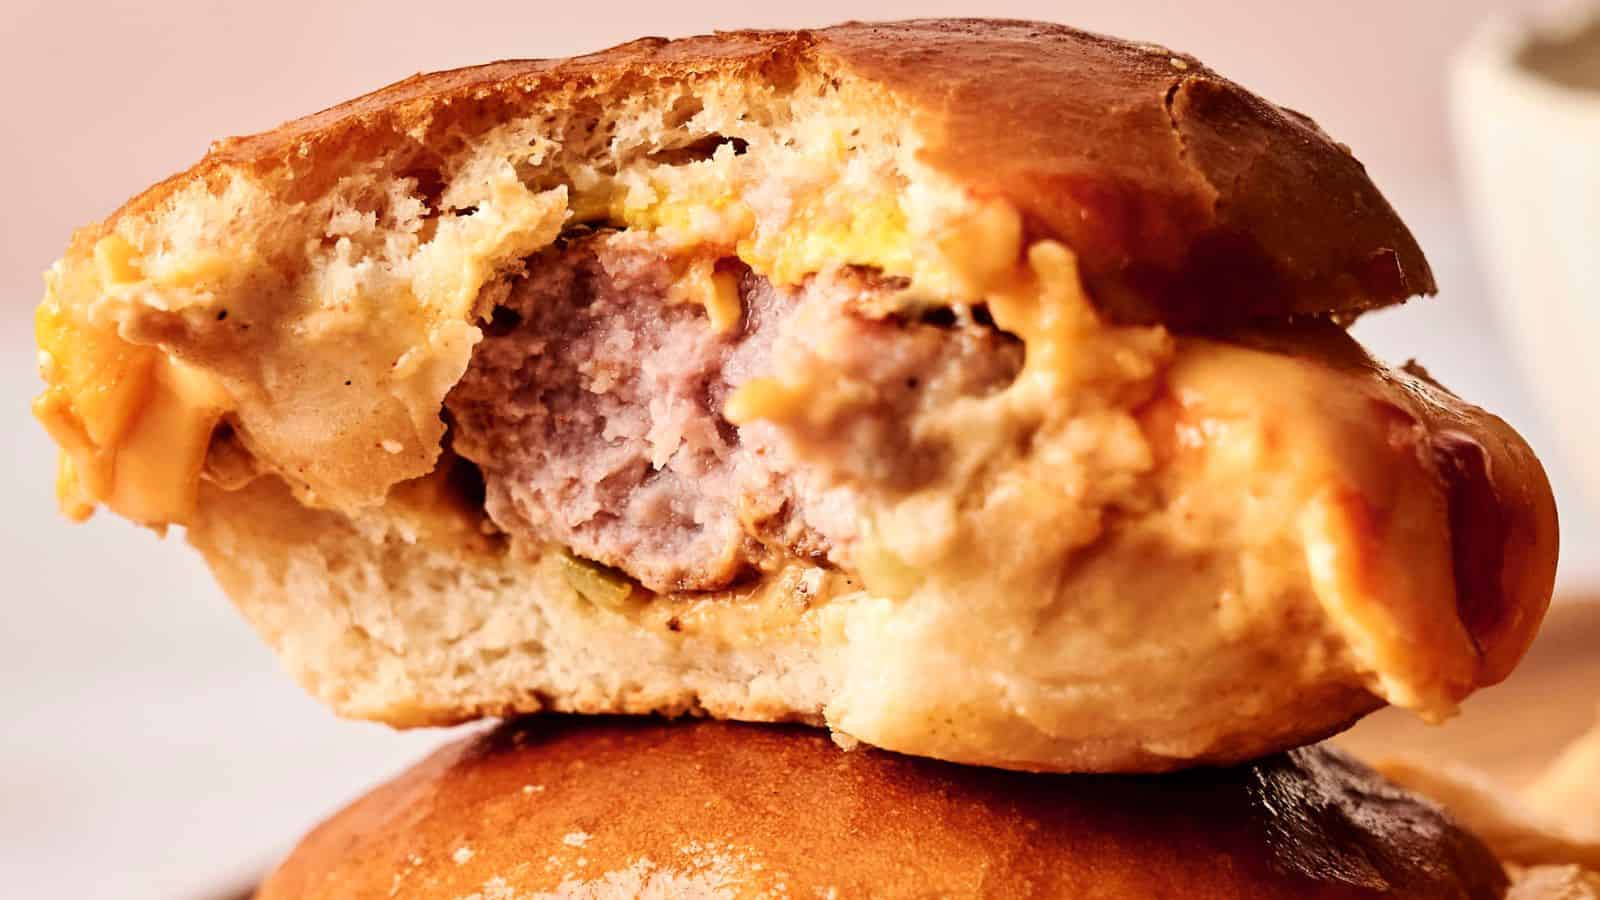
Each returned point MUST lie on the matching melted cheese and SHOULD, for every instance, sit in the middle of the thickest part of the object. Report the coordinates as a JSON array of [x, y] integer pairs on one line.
[[823, 234], [1043, 302], [717, 292], [957, 259], [827, 216], [133, 423]]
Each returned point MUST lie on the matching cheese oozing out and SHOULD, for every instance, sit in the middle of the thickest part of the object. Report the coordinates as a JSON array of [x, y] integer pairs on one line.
[[133, 423]]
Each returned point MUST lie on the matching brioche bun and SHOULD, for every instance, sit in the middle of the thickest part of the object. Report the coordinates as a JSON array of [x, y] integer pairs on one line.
[[598, 808]]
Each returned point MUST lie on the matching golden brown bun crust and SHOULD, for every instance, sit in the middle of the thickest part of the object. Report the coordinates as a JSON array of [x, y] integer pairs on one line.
[[1167, 180], [1504, 531], [1187, 199], [599, 808]]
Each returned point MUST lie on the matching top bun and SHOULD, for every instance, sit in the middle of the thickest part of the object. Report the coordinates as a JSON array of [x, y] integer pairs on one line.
[[1187, 199]]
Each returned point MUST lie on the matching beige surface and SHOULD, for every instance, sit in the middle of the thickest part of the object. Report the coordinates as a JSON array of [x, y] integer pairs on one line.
[[1527, 156], [1511, 731]]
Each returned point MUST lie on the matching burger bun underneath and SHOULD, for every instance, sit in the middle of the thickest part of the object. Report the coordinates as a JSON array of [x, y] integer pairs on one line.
[[600, 807]]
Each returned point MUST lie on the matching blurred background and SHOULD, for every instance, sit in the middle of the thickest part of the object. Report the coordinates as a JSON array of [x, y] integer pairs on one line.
[[149, 745]]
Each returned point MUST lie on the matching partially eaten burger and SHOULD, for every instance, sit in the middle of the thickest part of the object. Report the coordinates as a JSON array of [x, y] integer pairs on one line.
[[977, 389]]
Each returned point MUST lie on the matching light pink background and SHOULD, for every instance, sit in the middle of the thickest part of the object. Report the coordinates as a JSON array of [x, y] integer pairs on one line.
[[150, 748]]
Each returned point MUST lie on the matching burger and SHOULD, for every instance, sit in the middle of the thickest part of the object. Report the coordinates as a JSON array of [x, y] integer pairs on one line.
[[978, 390]]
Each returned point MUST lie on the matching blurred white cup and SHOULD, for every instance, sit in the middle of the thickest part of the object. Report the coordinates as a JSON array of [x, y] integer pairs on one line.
[[1525, 107]]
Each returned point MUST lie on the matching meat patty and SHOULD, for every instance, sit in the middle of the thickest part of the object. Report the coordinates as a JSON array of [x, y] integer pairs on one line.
[[594, 407]]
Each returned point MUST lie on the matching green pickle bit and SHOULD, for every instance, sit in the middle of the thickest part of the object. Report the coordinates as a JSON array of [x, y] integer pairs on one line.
[[601, 585]]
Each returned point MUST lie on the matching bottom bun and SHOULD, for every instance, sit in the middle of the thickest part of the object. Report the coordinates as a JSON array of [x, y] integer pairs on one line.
[[593, 807]]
